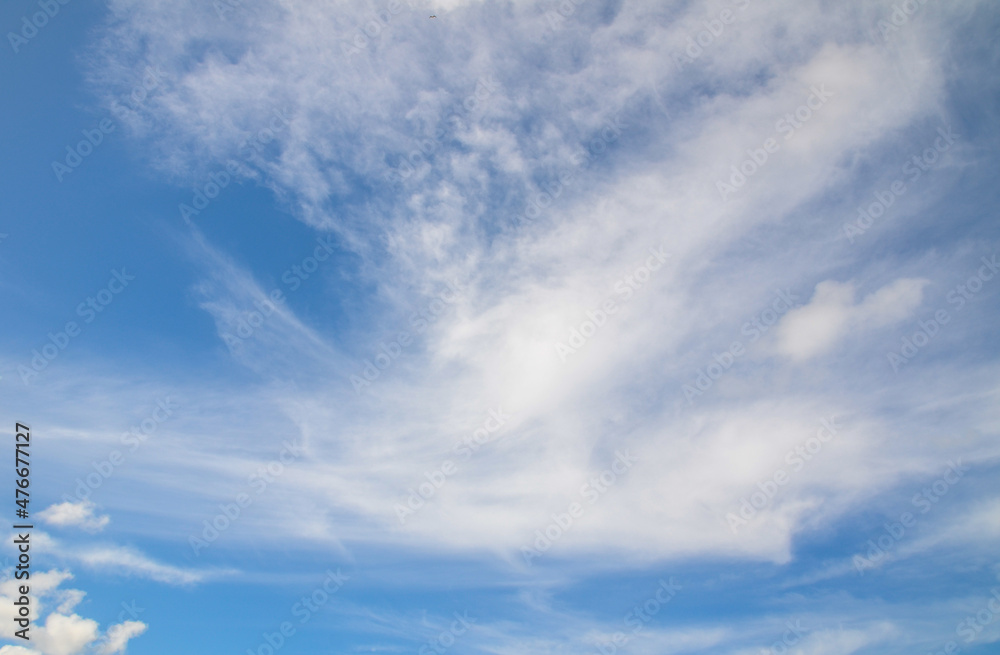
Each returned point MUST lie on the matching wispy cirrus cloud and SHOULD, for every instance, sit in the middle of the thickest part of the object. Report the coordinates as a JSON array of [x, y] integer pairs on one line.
[[530, 284], [607, 195]]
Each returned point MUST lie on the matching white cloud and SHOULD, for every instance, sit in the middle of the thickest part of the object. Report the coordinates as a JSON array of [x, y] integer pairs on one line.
[[832, 314], [65, 635], [70, 599], [119, 559], [61, 632], [132, 562], [119, 635], [530, 283], [845, 642], [79, 514]]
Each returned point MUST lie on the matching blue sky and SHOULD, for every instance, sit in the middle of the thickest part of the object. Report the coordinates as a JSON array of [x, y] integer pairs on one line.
[[534, 327]]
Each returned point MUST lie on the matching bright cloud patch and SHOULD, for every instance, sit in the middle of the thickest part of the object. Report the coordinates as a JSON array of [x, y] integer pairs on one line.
[[832, 314], [80, 514], [58, 631], [118, 636]]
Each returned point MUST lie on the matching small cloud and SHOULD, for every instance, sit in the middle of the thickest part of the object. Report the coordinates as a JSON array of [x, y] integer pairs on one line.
[[75, 514], [65, 635], [892, 303], [70, 599], [118, 635], [17, 650], [121, 560], [814, 329], [133, 562]]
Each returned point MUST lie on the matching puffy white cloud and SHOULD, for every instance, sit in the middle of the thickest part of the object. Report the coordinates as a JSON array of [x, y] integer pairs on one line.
[[118, 636], [65, 635], [18, 650], [832, 314], [80, 514], [70, 599], [61, 632]]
